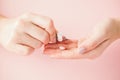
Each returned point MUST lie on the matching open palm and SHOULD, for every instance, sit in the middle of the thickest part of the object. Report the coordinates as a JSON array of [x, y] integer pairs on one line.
[[71, 50]]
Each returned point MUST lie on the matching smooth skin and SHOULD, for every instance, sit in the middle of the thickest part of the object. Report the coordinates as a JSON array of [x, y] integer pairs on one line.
[[103, 34], [23, 34]]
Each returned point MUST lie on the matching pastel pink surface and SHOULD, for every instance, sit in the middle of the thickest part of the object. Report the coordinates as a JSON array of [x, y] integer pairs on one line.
[[74, 18]]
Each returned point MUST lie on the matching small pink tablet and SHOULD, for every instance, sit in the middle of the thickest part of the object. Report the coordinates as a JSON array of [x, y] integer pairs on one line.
[[61, 47]]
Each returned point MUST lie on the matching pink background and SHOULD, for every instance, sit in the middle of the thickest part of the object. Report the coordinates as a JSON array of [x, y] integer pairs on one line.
[[74, 18]]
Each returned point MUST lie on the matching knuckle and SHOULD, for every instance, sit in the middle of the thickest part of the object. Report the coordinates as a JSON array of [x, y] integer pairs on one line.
[[19, 25], [19, 22]]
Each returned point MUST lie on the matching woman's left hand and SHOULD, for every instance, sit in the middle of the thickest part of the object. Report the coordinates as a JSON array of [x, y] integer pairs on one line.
[[91, 47]]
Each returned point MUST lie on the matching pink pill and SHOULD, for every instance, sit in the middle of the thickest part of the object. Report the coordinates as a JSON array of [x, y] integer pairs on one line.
[[62, 48]]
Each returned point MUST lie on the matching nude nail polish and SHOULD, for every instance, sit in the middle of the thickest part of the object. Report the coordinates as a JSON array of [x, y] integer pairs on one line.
[[81, 50]]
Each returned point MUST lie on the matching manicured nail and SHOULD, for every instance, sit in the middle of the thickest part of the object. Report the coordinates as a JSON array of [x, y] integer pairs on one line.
[[81, 50]]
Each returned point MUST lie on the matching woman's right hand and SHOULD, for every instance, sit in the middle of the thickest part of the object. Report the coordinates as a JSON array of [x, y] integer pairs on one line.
[[27, 32]]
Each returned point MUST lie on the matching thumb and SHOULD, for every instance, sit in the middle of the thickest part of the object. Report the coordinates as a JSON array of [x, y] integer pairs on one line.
[[91, 43]]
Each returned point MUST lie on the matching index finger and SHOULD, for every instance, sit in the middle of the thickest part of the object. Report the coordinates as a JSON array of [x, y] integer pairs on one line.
[[43, 22]]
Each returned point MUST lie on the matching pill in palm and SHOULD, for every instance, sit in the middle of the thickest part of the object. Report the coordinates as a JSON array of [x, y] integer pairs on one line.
[[62, 48]]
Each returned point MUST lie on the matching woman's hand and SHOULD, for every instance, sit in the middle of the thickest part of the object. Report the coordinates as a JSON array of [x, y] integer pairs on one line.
[[27, 32], [91, 47]]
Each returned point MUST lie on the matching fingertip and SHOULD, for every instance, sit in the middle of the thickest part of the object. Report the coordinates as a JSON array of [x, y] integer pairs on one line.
[[81, 50]]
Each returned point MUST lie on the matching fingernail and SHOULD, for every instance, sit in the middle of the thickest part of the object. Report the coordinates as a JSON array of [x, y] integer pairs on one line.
[[81, 50]]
